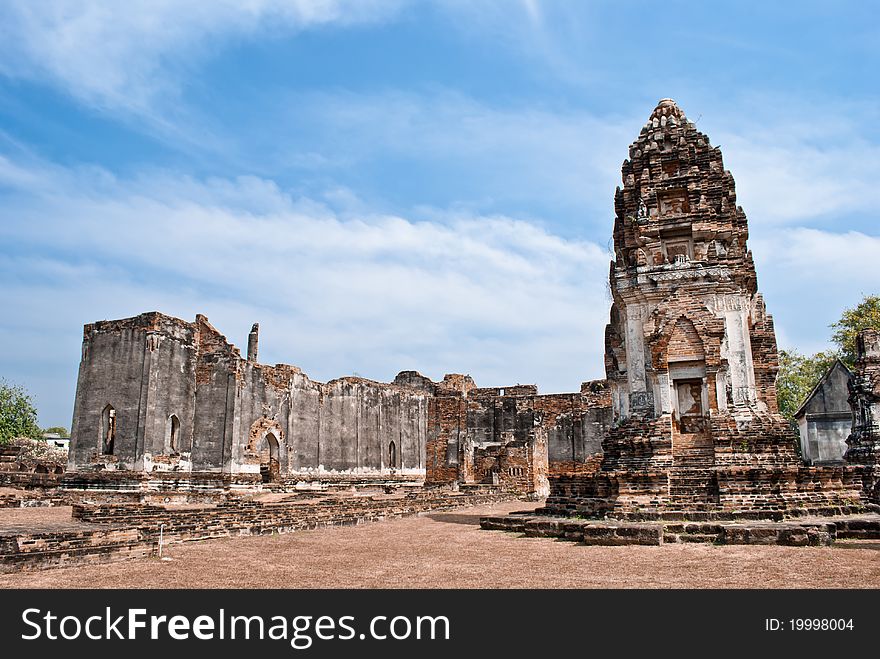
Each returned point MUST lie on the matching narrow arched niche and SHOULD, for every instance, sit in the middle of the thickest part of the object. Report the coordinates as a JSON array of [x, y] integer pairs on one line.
[[172, 434], [392, 455], [108, 429]]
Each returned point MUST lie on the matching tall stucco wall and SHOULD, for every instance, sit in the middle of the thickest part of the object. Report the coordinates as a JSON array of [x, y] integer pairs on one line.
[[344, 426], [169, 381], [110, 373], [144, 368], [215, 391], [161, 373]]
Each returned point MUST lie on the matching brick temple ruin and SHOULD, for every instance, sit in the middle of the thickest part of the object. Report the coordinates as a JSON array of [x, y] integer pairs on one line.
[[690, 353], [683, 435], [691, 362], [163, 401]]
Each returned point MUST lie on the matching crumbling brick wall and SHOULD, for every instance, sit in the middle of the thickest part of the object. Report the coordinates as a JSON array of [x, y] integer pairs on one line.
[[512, 436]]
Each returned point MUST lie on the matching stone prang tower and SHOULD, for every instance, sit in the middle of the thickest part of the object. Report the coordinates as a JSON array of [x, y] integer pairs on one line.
[[689, 335], [690, 351]]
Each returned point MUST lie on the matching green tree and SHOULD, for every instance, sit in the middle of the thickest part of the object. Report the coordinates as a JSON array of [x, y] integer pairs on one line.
[[58, 430], [865, 315], [18, 416], [798, 374]]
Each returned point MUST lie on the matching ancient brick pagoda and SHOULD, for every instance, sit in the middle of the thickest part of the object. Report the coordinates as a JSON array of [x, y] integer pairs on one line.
[[690, 353]]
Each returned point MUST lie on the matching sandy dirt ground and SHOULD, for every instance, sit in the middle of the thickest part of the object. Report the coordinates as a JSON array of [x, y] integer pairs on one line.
[[39, 519], [448, 550]]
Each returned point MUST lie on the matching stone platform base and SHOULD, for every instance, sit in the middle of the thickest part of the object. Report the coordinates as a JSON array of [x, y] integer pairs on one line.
[[112, 487], [36, 551], [793, 533], [112, 532]]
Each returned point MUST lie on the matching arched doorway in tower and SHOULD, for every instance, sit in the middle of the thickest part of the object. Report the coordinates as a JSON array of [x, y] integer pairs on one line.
[[270, 464], [686, 362]]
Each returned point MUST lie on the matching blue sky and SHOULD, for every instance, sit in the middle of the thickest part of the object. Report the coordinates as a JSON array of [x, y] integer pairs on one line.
[[389, 185]]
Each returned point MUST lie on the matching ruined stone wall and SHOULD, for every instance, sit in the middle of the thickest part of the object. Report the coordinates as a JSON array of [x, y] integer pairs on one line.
[[346, 425], [576, 424], [185, 400], [446, 459], [143, 368], [447, 428], [216, 384]]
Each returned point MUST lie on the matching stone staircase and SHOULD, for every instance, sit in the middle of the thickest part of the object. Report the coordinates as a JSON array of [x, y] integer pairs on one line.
[[692, 479]]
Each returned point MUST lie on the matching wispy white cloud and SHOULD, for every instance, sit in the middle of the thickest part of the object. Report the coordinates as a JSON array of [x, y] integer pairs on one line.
[[493, 296], [555, 40], [794, 166], [125, 55], [520, 156], [790, 169]]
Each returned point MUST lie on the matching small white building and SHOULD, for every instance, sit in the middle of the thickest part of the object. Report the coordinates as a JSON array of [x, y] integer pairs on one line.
[[825, 417], [54, 440]]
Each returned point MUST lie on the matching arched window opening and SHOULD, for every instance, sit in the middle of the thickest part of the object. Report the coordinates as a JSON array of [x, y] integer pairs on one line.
[[392, 455], [173, 433], [108, 429], [270, 463]]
